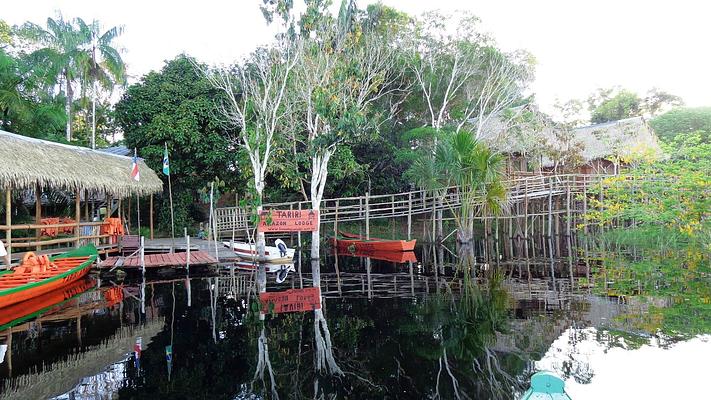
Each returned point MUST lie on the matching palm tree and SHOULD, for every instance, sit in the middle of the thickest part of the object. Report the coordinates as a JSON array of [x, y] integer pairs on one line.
[[105, 67], [477, 171], [69, 50], [62, 53]]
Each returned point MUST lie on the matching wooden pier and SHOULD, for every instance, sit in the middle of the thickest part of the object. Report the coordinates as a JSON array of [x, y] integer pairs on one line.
[[160, 260], [537, 202]]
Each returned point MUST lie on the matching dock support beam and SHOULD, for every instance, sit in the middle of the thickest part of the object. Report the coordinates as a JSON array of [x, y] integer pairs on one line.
[[38, 213], [8, 223], [77, 214]]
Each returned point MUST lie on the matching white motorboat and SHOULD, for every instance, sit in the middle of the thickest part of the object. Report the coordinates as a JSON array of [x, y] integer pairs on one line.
[[272, 254], [280, 270]]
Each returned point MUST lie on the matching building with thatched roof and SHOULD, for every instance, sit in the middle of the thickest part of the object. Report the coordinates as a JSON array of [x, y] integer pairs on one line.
[[519, 133], [36, 166], [531, 140], [604, 147], [28, 162]]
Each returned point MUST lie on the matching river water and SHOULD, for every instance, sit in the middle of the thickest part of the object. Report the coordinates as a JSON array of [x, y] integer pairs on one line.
[[382, 329]]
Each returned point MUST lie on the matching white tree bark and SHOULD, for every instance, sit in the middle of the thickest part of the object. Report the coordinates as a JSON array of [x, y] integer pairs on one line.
[[255, 92]]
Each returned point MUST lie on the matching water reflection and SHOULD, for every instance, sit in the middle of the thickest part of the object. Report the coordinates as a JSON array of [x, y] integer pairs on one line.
[[457, 323]]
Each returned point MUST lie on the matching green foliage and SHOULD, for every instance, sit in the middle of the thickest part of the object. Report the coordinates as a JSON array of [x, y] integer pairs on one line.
[[662, 269], [674, 193], [615, 104], [683, 121], [74, 52], [26, 107], [625, 104], [178, 106]]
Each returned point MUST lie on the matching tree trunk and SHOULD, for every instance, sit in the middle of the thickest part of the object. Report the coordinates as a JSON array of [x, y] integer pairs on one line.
[[261, 239], [68, 105]]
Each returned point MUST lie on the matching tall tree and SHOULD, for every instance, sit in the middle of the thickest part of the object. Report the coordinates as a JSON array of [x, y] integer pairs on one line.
[[105, 68], [336, 82], [177, 106], [76, 53], [254, 104]]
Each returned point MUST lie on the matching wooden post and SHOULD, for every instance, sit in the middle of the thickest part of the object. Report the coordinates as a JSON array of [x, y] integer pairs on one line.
[[367, 215], [550, 208], [128, 214], [120, 211], [8, 223], [298, 241], [567, 208], [77, 214], [143, 255], [335, 222], [187, 249], [151, 215], [86, 206], [38, 213], [409, 216], [585, 205]]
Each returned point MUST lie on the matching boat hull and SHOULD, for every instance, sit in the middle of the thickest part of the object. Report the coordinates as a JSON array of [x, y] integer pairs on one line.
[[400, 257], [16, 288], [356, 243], [19, 312], [248, 252]]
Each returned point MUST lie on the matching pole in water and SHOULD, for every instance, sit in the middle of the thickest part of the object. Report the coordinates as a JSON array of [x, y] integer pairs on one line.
[[143, 255], [187, 249]]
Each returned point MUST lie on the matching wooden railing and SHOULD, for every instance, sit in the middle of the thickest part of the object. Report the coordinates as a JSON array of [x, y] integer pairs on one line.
[[411, 203]]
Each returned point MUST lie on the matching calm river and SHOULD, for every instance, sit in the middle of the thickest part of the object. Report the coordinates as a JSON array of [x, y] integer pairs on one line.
[[383, 329]]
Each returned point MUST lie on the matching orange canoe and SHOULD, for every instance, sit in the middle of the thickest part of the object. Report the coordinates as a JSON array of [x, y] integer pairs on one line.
[[392, 256], [352, 242], [20, 312], [18, 285]]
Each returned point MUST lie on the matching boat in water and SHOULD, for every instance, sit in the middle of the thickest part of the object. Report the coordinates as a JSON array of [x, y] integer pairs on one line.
[[280, 270], [354, 243], [546, 386], [38, 275], [276, 254], [399, 257], [45, 303]]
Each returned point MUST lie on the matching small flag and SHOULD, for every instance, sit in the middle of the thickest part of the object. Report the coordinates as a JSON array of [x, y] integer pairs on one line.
[[135, 174], [166, 162], [169, 358], [137, 348]]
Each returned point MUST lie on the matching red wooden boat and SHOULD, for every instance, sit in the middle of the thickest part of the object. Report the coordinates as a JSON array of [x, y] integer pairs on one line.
[[392, 256], [353, 242], [40, 275], [23, 311]]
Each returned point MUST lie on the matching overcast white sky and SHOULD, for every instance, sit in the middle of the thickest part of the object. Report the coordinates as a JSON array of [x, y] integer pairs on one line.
[[579, 45]]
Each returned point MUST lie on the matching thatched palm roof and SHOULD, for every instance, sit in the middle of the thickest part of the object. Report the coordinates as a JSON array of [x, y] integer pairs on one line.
[[26, 162], [616, 139]]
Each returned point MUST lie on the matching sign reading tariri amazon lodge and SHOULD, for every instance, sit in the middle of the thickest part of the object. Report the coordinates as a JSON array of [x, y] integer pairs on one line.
[[288, 221], [292, 300]]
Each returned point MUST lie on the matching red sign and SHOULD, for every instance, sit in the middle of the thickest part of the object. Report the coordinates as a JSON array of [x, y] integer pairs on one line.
[[288, 221], [292, 300]]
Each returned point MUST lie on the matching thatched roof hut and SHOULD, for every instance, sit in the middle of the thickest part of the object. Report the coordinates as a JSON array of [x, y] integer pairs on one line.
[[28, 162], [616, 139]]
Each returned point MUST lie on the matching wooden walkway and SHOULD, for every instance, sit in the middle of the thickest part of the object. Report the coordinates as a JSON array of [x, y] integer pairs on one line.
[[522, 188], [160, 260]]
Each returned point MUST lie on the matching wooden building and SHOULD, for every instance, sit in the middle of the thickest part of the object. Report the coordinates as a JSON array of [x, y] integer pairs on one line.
[[605, 148], [33, 167]]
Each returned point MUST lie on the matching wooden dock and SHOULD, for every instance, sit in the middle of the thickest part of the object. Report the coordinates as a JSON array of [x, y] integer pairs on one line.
[[160, 260]]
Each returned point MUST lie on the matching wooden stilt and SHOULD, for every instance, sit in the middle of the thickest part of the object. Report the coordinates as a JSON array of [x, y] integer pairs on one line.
[[409, 216], [150, 211], [86, 206], [38, 213], [128, 214], [77, 214], [8, 232], [367, 215]]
